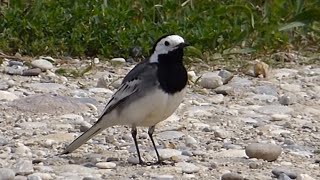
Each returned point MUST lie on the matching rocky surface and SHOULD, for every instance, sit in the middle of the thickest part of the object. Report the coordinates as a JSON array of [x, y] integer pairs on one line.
[[275, 118]]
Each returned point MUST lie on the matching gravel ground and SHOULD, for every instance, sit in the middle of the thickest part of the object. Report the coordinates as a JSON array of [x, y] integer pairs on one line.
[[237, 127]]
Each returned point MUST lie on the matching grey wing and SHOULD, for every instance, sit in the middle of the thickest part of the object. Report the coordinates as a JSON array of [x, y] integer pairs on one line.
[[141, 78]]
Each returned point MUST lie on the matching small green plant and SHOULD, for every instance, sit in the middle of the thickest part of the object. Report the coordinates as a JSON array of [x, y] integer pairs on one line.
[[111, 28]]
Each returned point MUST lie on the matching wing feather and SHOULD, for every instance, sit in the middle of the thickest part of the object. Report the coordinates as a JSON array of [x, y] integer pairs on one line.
[[140, 77]]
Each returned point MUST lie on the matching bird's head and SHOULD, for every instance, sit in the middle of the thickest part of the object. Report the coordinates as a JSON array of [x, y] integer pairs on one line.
[[170, 45]]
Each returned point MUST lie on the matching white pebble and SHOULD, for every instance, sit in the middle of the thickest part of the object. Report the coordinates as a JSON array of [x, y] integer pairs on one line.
[[106, 165]]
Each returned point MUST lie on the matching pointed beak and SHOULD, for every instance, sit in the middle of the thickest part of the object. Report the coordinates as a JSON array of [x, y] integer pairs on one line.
[[183, 45]]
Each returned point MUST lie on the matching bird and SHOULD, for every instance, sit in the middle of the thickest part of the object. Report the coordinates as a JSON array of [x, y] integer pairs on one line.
[[148, 94]]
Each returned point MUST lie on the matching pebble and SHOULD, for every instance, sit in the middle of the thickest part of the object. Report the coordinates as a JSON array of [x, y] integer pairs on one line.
[[169, 135], [280, 117], [168, 153], [33, 177], [188, 167], [284, 177], [74, 118], [231, 176], [100, 90], [266, 89], [220, 133], [51, 104], [224, 90], [4, 85], [106, 165], [254, 165], [274, 109], [268, 152], [216, 99], [3, 141], [6, 174], [7, 96], [118, 60], [285, 100], [42, 64], [15, 63], [15, 70], [164, 177], [20, 177], [225, 75], [210, 80], [31, 72], [279, 170], [24, 167], [190, 141], [306, 177], [48, 87], [192, 75]]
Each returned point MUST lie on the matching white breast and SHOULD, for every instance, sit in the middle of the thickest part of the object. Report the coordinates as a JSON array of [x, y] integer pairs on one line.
[[151, 109]]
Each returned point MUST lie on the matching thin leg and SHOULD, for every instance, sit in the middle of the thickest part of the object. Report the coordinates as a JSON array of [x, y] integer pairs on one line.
[[150, 132], [134, 136]]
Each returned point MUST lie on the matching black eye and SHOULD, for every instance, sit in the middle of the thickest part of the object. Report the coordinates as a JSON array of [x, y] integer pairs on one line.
[[166, 43]]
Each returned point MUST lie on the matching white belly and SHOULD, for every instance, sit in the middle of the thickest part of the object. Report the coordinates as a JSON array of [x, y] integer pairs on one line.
[[152, 109]]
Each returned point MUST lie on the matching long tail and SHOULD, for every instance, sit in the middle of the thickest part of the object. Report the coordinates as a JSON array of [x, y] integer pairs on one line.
[[83, 138]]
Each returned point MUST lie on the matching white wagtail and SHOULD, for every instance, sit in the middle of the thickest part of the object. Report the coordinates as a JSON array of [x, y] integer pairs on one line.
[[149, 93]]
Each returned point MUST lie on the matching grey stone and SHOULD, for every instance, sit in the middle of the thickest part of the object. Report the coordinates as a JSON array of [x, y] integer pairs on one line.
[[286, 100], [31, 72], [3, 140], [43, 64], [164, 177], [6, 174], [4, 85], [32, 125], [253, 165], [284, 73], [224, 90], [187, 167], [291, 87], [118, 60], [225, 75], [216, 99], [100, 90], [274, 109], [46, 86], [262, 98], [187, 153], [74, 118], [268, 152], [106, 165], [169, 135], [7, 96], [46, 103], [190, 141], [15, 70], [284, 177], [210, 80], [220, 133], [15, 63], [279, 170], [239, 82], [280, 117], [266, 89], [24, 167], [306, 177], [168, 153], [33, 177], [20, 177], [231, 176]]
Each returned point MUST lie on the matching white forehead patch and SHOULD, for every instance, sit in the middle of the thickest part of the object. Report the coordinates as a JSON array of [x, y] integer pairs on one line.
[[166, 45]]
